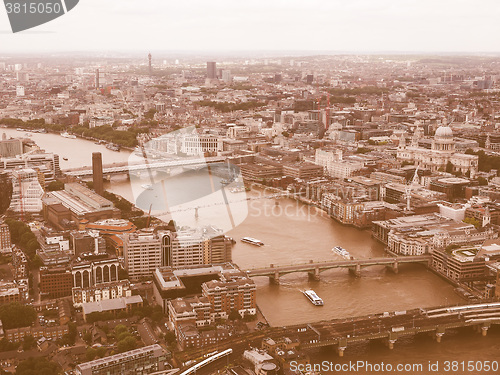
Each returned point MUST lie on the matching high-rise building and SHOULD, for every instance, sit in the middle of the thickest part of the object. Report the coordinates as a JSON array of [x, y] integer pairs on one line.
[[150, 65], [97, 81], [226, 76], [5, 241], [97, 177], [26, 191], [211, 70]]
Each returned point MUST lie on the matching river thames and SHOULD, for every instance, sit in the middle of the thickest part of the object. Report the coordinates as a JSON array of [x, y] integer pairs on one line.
[[295, 233]]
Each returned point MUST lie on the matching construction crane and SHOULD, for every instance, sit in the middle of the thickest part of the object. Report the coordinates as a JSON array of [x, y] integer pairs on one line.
[[409, 188]]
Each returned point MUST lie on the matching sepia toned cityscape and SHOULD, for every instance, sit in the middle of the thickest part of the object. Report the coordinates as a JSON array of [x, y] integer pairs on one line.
[[248, 213]]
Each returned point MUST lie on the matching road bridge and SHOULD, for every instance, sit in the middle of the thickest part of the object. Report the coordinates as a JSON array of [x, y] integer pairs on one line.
[[354, 265]]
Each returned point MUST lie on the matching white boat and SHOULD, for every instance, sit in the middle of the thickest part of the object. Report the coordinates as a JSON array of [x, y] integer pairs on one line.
[[342, 252], [252, 241], [147, 187], [67, 135], [113, 147], [239, 189], [313, 297]]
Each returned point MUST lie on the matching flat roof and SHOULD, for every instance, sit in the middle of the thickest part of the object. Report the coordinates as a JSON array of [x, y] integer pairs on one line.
[[119, 357]]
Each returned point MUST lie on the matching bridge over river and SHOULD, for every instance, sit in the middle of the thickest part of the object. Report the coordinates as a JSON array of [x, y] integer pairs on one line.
[[387, 327], [391, 326], [134, 168], [354, 265]]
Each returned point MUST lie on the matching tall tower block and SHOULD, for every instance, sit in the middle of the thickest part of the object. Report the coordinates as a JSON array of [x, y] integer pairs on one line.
[[97, 176], [150, 66], [211, 70]]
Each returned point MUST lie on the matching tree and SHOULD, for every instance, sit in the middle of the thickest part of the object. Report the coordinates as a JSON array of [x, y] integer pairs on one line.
[[15, 315], [87, 337], [55, 185], [234, 315], [129, 343], [123, 335], [37, 366], [101, 351], [90, 354], [157, 314], [150, 114], [170, 337], [28, 342], [449, 167], [120, 328], [37, 262], [482, 181], [473, 221]]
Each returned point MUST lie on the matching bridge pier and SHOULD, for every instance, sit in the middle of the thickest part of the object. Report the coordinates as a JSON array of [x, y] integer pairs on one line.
[[394, 267], [484, 329], [391, 339], [390, 343], [342, 345], [275, 279], [439, 334], [355, 271], [340, 350], [314, 276]]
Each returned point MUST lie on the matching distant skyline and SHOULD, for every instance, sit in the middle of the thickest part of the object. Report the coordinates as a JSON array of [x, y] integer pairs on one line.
[[407, 26]]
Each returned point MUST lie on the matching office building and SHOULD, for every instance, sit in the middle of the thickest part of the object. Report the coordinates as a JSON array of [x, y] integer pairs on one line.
[[56, 282], [5, 240], [47, 163], [10, 147], [147, 250], [211, 70], [26, 191]]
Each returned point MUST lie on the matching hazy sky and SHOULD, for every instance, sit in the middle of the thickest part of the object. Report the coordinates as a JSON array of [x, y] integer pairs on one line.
[[328, 25]]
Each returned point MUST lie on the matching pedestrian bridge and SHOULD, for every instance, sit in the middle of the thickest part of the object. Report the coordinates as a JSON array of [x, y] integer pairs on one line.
[[126, 168], [354, 265]]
